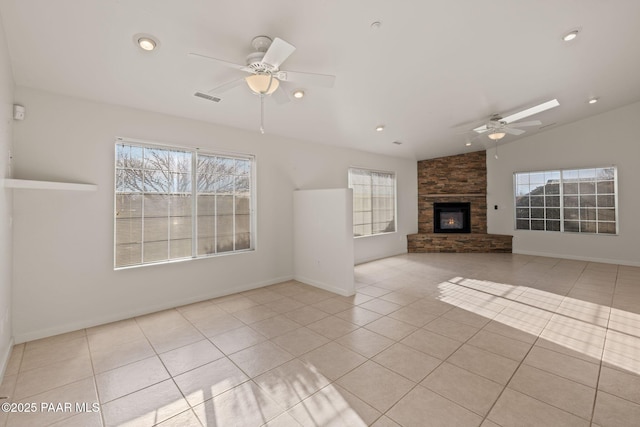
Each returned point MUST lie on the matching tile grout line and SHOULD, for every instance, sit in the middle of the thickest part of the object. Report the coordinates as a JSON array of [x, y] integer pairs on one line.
[[604, 346], [95, 381]]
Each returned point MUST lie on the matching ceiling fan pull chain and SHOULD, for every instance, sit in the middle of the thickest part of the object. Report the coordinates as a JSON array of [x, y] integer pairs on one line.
[[262, 114]]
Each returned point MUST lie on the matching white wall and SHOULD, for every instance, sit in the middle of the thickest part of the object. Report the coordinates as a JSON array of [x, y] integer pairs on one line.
[[6, 122], [63, 241], [323, 239], [607, 139]]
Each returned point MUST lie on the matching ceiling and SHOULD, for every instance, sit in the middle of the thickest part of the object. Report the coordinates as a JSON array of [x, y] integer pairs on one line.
[[432, 70]]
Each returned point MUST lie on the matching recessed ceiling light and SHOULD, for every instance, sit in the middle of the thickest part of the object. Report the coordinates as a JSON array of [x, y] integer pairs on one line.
[[298, 94], [146, 42], [397, 142], [468, 144], [379, 128], [570, 35], [593, 100]]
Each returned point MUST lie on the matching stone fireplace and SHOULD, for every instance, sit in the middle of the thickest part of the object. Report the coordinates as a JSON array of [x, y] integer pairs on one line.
[[452, 217], [453, 190]]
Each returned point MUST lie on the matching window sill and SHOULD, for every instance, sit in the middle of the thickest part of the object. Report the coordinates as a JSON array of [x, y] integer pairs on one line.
[[186, 259]]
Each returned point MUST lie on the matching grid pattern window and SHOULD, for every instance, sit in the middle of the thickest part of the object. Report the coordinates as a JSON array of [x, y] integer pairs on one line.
[[174, 203], [576, 200], [374, 201]]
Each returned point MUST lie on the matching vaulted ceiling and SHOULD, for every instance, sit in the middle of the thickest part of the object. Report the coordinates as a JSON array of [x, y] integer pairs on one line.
[[430, 71]]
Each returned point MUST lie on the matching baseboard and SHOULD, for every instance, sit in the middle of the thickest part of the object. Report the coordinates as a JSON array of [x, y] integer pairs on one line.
[[578, 258], [324, 286], [5, 359], [70, 327]]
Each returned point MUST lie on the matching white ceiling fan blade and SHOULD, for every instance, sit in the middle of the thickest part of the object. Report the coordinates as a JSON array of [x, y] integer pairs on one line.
[[531, 111], [309, 79], [529, 123], [280, 95], [512, 131], [481, 129], [225, 87], [221, 62], [278, 52]]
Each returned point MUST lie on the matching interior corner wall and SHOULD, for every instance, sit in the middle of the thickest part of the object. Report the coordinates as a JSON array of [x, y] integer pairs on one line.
[[6, 137], [606, 139], [63, 241]]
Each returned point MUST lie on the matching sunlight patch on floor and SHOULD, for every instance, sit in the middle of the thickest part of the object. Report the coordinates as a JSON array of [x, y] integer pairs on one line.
[[571, 323]]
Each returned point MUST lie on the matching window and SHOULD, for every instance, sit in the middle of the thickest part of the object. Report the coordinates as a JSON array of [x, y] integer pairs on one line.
[[577, 200], [374, 201], [177, 203]]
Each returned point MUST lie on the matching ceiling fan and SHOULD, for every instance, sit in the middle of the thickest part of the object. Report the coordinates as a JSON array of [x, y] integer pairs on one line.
[[498, 127], [265, 75]]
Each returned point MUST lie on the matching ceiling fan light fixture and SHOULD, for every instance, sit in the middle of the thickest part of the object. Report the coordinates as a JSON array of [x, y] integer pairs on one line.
[[496, 135], [262, 84]]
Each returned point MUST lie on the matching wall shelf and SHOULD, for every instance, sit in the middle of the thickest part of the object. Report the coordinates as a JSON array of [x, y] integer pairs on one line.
[[27, 184]]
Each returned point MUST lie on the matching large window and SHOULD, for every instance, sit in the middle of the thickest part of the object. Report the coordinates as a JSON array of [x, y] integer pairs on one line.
[[175, 203], [374, 201], [576, 200]]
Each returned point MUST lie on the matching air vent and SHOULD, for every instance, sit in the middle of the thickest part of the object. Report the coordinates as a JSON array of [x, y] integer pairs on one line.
[[207, 97]]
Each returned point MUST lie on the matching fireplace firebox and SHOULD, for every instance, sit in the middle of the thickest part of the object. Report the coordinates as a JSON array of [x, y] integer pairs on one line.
[[452, 218]]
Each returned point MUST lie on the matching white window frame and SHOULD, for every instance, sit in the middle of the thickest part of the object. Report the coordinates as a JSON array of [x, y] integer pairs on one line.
[[395, 200], [562, 207], [194, 200]]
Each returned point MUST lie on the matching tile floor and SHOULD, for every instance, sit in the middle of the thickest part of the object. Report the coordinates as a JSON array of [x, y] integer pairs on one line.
[[428, 340]]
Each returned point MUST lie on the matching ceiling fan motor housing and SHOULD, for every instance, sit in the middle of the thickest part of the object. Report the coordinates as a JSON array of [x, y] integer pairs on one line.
[[254, 62], [496, 122]]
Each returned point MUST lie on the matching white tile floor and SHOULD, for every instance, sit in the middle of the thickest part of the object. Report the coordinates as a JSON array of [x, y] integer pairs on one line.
[[428, 340]]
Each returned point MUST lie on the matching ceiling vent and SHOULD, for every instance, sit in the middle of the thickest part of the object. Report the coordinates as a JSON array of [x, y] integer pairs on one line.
[[207, 97]]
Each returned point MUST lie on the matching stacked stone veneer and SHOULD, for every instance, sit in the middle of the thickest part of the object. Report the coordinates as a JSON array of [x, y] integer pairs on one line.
[[461, 178]]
